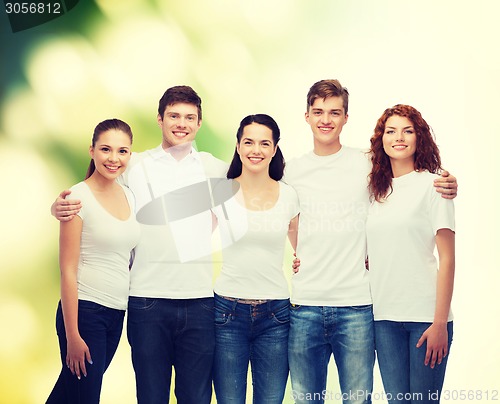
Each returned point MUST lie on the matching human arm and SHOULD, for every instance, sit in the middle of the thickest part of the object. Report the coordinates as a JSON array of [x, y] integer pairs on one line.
[[446, 185], [69, 253], [293, 230], [437, 335], [65, 209]]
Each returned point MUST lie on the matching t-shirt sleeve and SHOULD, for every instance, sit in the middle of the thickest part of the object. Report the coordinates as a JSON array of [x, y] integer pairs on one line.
[[442, 212], [78, 193]]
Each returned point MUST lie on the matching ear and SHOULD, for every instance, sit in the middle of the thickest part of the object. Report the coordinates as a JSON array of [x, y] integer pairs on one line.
[[306, 116], [275, 150], [238, 147], [91, 152], [159, 119], [346, 118]]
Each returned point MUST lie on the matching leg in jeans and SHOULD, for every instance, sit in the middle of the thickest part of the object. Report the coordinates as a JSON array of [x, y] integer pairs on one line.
[[406, 379], [392, 345], [100, 327], [251, 334], [425, 383], [171, 332], [194, 351], [150, 325], [353, 342], [269, 351], [308, 353], [232, 351]]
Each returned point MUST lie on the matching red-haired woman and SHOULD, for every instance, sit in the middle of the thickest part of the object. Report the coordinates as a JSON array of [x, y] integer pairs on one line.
[[411, 289]]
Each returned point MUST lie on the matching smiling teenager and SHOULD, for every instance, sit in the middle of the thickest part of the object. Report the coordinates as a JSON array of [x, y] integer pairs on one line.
[[251, 293], [94, 259], [411, 290]]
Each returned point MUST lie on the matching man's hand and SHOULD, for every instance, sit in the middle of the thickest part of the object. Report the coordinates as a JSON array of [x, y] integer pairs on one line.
[[446, 185], [65, 209]]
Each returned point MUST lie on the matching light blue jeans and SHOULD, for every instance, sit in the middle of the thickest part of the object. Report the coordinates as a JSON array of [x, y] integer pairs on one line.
[[405, 377], [255, 334], [317, 332]]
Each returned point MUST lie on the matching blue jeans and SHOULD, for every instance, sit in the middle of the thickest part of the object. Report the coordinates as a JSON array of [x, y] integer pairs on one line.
[[251, 333], [172, 332], [317, 332], [101, 328], [405, 377]]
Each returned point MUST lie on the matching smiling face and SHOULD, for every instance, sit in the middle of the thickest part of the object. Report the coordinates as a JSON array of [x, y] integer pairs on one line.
[[326, 117], [179, 124], [400, 140], [111, 153], [256, 148]]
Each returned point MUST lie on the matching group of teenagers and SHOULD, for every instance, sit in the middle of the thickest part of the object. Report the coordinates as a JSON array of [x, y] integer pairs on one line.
[[136, 235]]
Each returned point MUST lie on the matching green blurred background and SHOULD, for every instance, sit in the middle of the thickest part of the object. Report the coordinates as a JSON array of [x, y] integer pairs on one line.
[[115, 58]]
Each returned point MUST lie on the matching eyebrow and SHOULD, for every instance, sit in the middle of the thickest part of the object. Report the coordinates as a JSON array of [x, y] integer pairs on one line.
[[393, 127], [331, 110]]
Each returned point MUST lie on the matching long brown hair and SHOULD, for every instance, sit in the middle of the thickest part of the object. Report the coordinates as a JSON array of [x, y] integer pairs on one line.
[[426, 155]]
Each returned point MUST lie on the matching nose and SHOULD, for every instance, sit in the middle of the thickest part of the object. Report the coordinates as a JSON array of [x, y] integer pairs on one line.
[[400, 137], [113, 156], [256, 148], [181, 123], [325, 118]]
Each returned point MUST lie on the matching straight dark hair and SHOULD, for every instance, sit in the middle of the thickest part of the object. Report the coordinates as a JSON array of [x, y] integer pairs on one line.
[[277, 165], [102, 127]]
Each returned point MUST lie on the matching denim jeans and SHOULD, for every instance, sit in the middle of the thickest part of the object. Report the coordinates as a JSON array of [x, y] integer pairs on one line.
[[101, 328], [405, 377], [172, 332], [251, 333], [317, 332]]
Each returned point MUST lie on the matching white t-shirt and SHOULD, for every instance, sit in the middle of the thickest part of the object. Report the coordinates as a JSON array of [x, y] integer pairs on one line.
[[334, 201], [105, 246], [254, 244], [173, 258], [401, 240]]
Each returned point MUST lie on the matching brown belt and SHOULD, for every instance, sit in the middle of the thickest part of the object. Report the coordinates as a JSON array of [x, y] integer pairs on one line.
[[253, 302]]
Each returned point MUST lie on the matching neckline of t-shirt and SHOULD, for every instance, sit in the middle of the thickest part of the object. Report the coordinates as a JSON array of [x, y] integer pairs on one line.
[[264, 210], [332, 156], [107, 211]]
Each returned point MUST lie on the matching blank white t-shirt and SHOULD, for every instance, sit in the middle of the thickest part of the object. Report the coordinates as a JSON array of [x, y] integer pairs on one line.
[[334, 202], [253, 247], [401, 235], [105, 246]]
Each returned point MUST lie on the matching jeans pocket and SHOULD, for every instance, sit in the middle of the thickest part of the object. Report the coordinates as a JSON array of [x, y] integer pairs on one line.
[[282, 315], [295, 307], [141, 303], [362, 307], [222, 317]]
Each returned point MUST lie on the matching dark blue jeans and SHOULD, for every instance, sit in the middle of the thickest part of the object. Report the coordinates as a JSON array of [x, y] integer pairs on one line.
[[405, 377], [255, 334], [172, 332], [101, 328]]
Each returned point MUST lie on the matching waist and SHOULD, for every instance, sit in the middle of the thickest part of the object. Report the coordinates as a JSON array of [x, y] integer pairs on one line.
[[253, 302]]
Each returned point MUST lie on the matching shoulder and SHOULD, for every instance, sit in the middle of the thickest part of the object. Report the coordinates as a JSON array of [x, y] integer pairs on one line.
[[213, 166], [79, 191]]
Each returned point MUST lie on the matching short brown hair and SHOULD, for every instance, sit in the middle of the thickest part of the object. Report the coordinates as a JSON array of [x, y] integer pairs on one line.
[[325, 89]]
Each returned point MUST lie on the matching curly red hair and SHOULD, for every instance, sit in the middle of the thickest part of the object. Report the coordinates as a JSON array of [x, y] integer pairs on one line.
[[426, 154]]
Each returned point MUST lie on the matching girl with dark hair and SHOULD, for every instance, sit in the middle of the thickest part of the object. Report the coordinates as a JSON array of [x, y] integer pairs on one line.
[[411, 290], [251, 293], [94, 256]]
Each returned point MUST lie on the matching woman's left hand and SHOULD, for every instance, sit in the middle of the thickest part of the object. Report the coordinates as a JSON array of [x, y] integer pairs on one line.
[[437, 344]]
